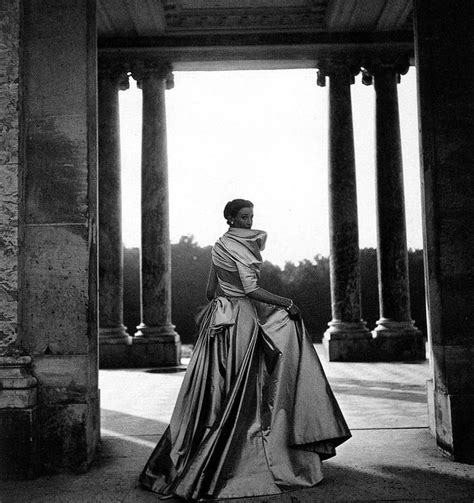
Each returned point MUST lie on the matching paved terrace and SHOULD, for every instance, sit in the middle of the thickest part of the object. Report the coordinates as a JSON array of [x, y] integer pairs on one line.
[[391, 457]]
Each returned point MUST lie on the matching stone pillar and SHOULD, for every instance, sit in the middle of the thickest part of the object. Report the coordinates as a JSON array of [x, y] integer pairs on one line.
[[347, 338], [58, 323], [156, 342], [18, 418], [114, 342], [396, 337], [444, 50], [18, 388]]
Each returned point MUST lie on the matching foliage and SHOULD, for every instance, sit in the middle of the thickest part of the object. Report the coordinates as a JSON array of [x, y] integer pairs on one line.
[[190, 267], [307, 283]]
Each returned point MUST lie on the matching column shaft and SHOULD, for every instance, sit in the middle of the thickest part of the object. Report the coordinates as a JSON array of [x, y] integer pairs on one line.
[[156, 253], [392, 254], [347, 338], [397, 337], [156, 340], [113, 337]]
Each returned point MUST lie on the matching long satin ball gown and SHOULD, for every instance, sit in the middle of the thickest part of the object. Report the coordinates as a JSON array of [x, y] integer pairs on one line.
[[255, 414]]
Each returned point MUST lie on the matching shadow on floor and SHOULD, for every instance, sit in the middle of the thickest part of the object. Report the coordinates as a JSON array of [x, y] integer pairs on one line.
[[383, 483], [395, 465], [116, 424], [379, 389]]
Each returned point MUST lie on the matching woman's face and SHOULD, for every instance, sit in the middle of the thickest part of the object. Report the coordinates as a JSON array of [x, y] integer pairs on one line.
[[243, 219]]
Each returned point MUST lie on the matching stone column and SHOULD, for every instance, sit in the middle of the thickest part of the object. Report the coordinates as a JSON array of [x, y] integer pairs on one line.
[[444, 50], [396, 337], [347, 338], [156, 342], [58, 318], [114, 342]]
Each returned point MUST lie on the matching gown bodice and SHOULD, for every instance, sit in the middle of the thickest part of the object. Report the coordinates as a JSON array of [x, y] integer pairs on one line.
[[237, 260]]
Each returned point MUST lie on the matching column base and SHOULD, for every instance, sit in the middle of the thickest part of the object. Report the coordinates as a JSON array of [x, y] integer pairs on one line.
[[398, 341], [68, 412], [18, 419], [158, 332], [69, 435], [114, 347], [114, 335], [157, 346], [452, 416], [348, 342]]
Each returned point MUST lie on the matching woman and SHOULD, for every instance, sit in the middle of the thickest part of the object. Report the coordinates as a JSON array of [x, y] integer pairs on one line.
[[255, 414]]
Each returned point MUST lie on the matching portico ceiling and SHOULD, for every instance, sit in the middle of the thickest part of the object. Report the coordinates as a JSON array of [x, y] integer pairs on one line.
[[261, 30], [152, 18]]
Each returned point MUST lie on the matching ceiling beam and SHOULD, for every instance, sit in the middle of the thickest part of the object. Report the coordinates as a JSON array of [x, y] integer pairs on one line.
[[230, 52], [264, 39]]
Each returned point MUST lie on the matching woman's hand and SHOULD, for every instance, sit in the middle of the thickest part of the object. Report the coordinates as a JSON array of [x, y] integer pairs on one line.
[[294, 311]]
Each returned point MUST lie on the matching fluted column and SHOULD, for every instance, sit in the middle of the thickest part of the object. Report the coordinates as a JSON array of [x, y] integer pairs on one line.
[[114, 340], [157, 341], [347, 338], [396, 336]]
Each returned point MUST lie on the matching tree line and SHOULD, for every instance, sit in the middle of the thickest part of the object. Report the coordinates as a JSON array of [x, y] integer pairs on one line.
[[307, 283]]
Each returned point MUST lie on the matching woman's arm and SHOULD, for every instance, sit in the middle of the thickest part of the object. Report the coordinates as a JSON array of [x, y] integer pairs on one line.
[[211, 283], [270, 298]]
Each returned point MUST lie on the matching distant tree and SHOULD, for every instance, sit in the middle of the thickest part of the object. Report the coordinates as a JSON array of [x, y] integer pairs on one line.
[[272, 278], [189, 273], [131, 289], [369, 286], [307, 283], [190, 267], [417, 289]]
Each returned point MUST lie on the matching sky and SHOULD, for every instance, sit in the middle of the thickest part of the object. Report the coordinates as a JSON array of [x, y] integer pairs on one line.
[[262, 135]]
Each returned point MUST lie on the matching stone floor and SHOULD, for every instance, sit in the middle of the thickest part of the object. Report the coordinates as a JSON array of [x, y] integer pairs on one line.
[[391, 457]]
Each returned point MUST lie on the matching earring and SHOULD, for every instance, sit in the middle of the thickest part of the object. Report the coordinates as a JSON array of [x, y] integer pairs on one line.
[[231, 222]]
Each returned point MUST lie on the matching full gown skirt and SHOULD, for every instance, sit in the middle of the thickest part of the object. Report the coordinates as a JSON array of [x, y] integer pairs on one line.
[[255, 414]]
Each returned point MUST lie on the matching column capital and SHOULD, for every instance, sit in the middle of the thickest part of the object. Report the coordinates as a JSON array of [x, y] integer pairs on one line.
[[145, 69], [337, 67], [115, 71], [377, 65]]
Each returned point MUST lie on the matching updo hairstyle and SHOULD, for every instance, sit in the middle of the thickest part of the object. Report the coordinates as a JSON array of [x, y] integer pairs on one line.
[[233, 207]]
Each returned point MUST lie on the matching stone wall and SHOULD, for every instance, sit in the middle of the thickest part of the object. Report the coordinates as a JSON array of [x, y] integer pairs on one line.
[[9, 146], [18, 392]]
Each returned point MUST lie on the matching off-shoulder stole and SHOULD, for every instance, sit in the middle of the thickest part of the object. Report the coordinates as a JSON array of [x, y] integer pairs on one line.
[[239, 245]]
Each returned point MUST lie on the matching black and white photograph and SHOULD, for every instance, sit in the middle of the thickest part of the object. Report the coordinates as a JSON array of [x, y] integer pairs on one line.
[[236, 251]]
